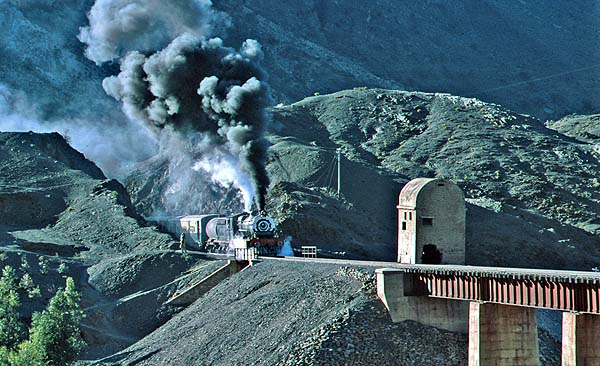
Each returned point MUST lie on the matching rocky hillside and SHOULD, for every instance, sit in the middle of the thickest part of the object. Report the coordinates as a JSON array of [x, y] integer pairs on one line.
[[584, 128], [524, 183], [64, 199], [492, 152], [485, 49], [59, 216], [515, 173], [542, 62], [386, 137]]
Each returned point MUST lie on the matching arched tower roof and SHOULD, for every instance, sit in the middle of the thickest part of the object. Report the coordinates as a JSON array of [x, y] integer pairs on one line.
[[410, 192], [409, 196]]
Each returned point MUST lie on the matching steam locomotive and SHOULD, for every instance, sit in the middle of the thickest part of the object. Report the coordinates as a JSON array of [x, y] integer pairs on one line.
[[225, 234]]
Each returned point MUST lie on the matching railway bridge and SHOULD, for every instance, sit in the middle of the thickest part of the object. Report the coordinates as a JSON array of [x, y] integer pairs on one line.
[[496, 306]]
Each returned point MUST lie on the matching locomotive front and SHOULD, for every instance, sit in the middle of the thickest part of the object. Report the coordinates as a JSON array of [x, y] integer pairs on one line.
[[259, 232], [260, 226], [241, 232]]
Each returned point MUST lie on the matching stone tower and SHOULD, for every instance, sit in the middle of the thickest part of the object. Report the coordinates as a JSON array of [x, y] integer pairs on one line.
[[431, 222]]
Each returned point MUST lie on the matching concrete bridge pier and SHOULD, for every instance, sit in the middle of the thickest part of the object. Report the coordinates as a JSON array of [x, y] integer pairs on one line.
[[580, 339], [501, 305], [396, 291], [502, 335]]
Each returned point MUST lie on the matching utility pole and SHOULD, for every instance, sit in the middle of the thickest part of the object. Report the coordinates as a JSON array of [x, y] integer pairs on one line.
[[339, 183]]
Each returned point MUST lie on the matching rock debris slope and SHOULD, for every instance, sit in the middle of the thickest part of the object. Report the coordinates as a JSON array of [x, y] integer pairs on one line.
[[285, 313], [584, 128], [289, 313]]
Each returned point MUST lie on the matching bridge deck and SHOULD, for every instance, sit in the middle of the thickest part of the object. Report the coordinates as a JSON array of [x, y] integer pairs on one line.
[[457, 270], [506, 273]]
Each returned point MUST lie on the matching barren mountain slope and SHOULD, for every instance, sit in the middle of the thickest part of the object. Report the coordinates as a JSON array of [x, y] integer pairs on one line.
[[525, 183], [485, 49], [493, 152], [47, 185], [42, 56], [60, 216], [531, 56], [514, 169]]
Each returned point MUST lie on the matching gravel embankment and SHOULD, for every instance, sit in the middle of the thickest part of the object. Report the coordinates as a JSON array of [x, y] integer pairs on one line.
[[292, 314]]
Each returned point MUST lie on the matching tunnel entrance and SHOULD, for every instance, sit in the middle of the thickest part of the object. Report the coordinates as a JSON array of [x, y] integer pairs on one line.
[[431, 255]]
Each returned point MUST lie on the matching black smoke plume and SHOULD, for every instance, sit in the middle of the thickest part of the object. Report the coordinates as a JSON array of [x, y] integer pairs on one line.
[[195, 85]]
